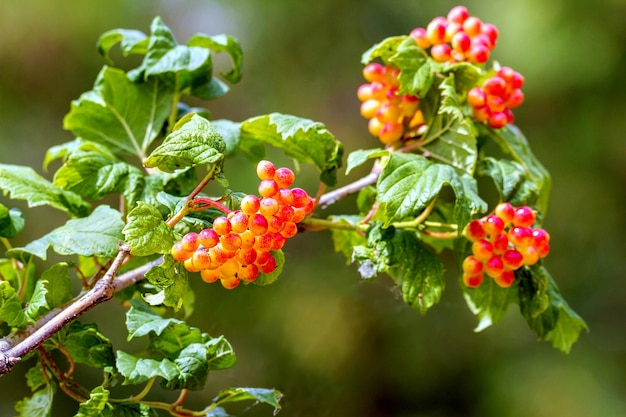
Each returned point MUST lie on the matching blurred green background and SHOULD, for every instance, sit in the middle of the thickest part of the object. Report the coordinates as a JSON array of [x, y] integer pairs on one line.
[[334, 345]]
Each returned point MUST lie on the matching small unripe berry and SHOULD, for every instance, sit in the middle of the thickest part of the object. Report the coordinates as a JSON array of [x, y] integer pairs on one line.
[[374, 126], [265, 170]]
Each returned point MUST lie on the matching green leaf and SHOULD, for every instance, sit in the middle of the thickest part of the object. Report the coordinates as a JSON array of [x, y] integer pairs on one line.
[[510, 180], [302, 139], [146, 233], [167, 273], [513, 142], [37, 301], [455, 143], [92, 171], [409, 182], [383, 50], [192, 142], [222, 43], [10, 306], [23, 183], [175, 293], [137, 370], [141, 321], [87, 345], [11, 221], [95, 405], [489, 302], [121, 114], [131, 42], [417, 71], [450, 104], [35, 377], [266, 279], [545, 310], [263, 395], [229, 131], [96, 235], [61, 151], [360, 156], [39, 405], [221, 354], [192, 369]]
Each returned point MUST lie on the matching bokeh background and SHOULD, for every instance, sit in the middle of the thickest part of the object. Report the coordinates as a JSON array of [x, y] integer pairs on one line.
[[334, 345]]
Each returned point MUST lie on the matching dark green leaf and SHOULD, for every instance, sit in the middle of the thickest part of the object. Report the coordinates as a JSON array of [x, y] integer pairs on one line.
[[39, 405], [11, 222], [193, 141], [302, 139], [267, 396], [454, 143], [146, 233], [10, 306], [409, 182], [35, 377], [175, 293], [96, 235], [417, 71], [513, 142], [510, 180], [545, 310], [118, 113], [221, 354], [88, 345], [222, 43], [383, 50], [192, 369], [23, 183], [360, 156]]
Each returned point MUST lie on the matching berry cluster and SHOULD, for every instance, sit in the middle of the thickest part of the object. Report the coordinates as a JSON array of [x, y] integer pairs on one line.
[[238, 245], [391, 115], [492, 102], [502, 243], [457, 37]]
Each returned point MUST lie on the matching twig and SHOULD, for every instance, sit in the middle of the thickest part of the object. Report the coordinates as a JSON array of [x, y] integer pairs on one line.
[[332, 197]]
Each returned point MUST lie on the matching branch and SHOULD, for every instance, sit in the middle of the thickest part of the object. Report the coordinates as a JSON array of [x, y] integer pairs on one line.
[[332, 197], [17, 345]]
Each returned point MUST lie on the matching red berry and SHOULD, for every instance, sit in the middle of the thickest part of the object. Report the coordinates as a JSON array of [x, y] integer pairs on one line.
[[495, 86], [238, 221], [230, 241], [512, 259], [458, 14], [265, 170], [268, 188], [390, 132], [517, 81], [441, 52], [180, 254], [496, 104], [269, 206], [500, 243], [475, 230], [248, 273], [493, 225], [250, 204], [461, 42], [436, 31], [274, 224], [524, 216], [473, 281], [190, 242], [419, 36], [515, 99], [520, 236], [497, 120], [530, 254], [472, 25], [482, 249], [505, 211], [494, 266], [491, 31], [476, 97], [262, 257], [480, 114], [373, 72], [246, 256], [505, 279], [544, 250], [258, 224], [540, 238], [263, 242], [269, 266], [278, 241], [290, 229], [284, 177], [478, 53]]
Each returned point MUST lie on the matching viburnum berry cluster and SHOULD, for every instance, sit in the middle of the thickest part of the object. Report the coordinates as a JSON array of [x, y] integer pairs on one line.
[[458, 37], [391, 115], [493, 100], [502, 243], [238, 246]]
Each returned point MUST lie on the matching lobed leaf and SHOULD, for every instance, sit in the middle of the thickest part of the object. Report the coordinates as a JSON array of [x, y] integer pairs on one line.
[[146, 233], [489, 302], [95, 404], [87, 345], [11, 221], [360, 156], [383, 50], [263, 395], [99, 234], [10, 306], [417, 71], [38, 405], [510, 180], [302, 139], [218, 44], [193, 141], [23, 183]]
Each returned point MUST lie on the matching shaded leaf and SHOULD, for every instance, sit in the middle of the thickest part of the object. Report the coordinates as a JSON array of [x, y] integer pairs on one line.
[[510, 180], [95, 404], [263, 395], [344, 241], [11, 221], [39, 405], [88, 345], [10, 306], [222, 43]]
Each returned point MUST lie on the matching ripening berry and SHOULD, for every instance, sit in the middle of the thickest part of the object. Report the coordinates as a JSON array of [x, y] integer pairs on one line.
[[478, 53], [284, 197], [238, 221], [490, 31], [496, 104], [544, 250], [258, 224], [208, 238], [409, 105], [458, 14], [494, 266], [530, 254], [505, 279], [390, 132], [461, 42], [269, 206], [298, 214], [188, 264], [310, 205], [262, 258], [480, 114], [483, 39], [210, 275], [510, 118], [230, 267], [520, 236], [373, 72], [274, 224], [472, 26], [517, 81], [250, 204], [419, 36], [373, 126], [178, 253], [369, 108], [201, 259], [512, 259], [500, 243], [230, 242], [452, 28], [290, 229], [268, 188], [505, 211], [278, 241], [390, 75], [222, 225], [475, 230], [300, 197], [476, 97], [269, 266], [472, 265], [482, 249], [516, 98], [473, 281], [364, 92], [284, 177], [493, 225], [265, 170], [218, 255], [497, 120], [524, 216], [540, 238], [436, 31], [441, 52], [246, 256], [495, 86], [285, 213], [248, 273], [247, 239], [263, 242], [388, 112], [230, 282], [190, 242]]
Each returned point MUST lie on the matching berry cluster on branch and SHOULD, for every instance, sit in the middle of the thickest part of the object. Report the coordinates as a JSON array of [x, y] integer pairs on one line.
[[392, 116], [238, 246], [458, 37], [493, 100], [503, 242]]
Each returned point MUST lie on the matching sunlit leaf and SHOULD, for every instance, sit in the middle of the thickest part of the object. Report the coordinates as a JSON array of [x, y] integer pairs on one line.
[[146, 233]]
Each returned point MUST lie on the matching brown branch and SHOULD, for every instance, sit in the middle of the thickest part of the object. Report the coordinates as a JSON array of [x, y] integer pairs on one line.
[[17, 345], [333, 196]]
